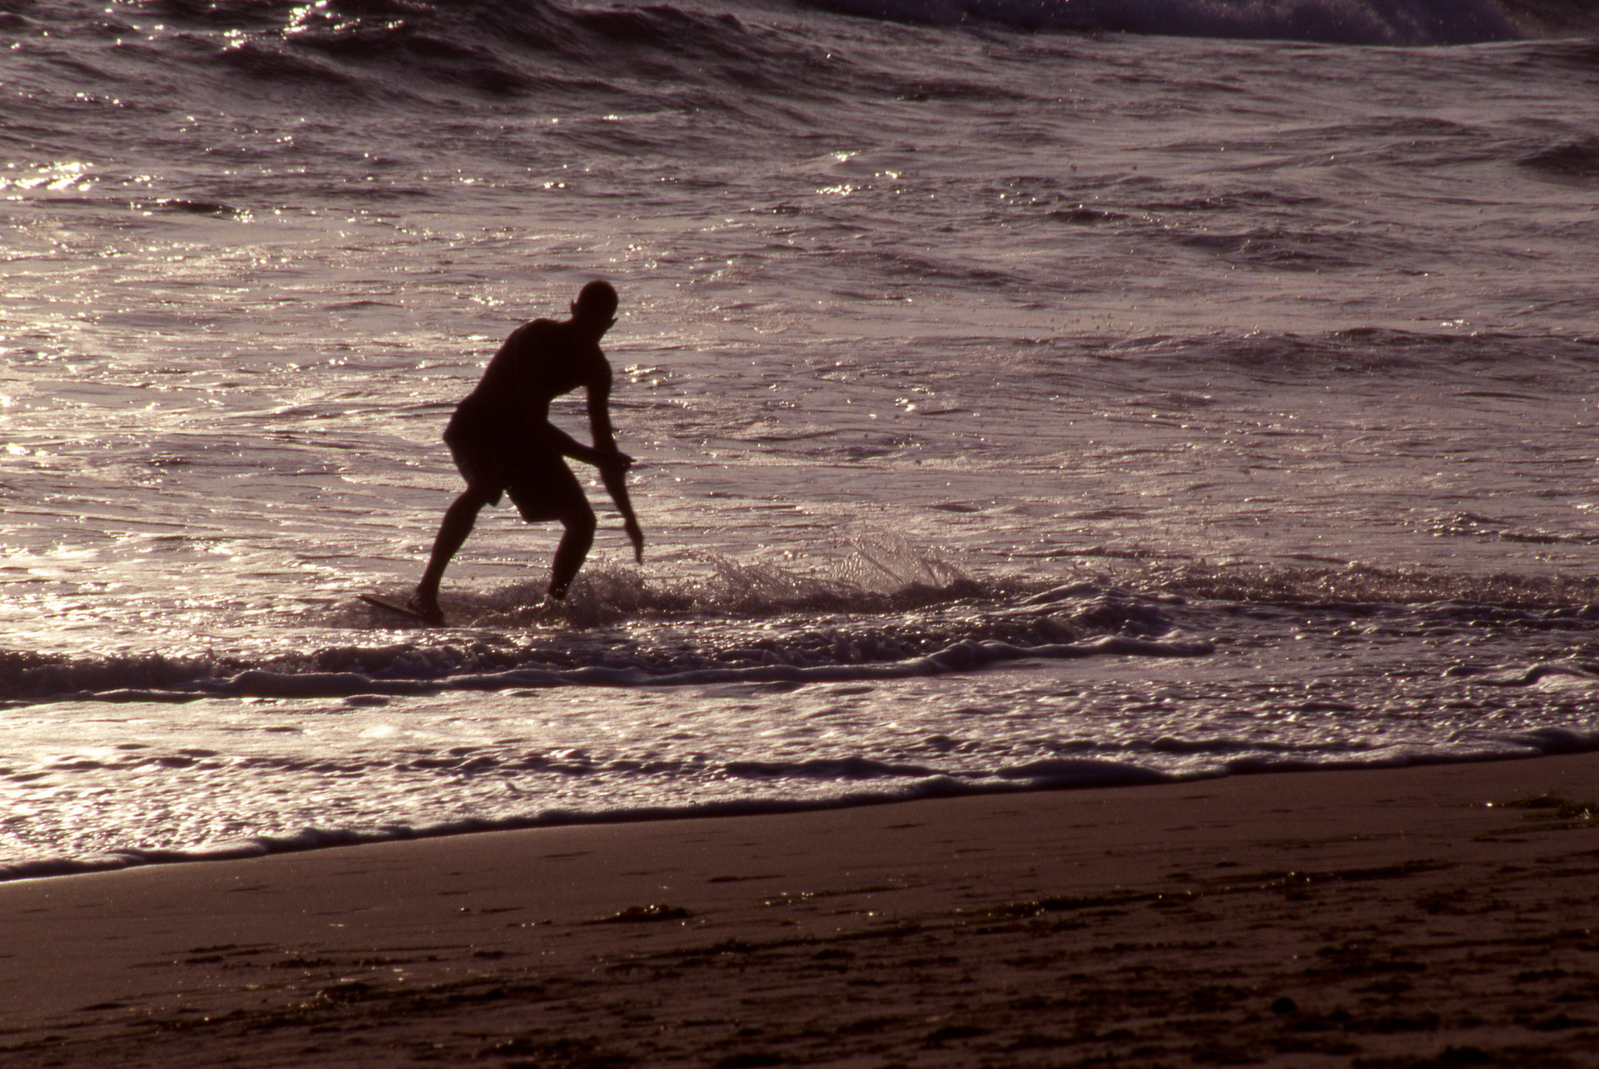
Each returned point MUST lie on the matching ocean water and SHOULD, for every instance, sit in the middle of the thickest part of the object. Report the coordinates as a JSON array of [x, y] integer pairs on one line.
[[1025, 395]]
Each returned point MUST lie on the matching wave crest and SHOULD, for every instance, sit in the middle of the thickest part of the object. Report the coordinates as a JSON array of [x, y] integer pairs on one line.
[[391, 46], [1359, 22]]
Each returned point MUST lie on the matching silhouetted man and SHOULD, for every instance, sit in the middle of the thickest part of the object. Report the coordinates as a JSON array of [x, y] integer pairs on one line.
[[504, 443]]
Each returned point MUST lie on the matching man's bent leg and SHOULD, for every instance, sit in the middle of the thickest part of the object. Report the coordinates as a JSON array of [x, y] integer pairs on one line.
[[546, 489], [573, 550]]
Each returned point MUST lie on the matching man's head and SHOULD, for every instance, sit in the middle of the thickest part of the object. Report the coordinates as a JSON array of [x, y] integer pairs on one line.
[[595, 307]]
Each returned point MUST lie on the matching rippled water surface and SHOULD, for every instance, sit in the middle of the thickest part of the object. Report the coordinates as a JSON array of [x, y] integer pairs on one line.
[[1013, 409]]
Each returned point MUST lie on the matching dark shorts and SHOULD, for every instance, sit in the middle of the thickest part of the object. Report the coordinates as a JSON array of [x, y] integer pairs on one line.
[[496, 460]]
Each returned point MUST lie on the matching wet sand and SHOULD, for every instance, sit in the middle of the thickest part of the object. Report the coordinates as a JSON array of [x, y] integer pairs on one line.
[[1374, 919]]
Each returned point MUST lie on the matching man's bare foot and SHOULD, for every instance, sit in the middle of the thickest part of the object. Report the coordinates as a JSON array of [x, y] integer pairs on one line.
[[425, 606]]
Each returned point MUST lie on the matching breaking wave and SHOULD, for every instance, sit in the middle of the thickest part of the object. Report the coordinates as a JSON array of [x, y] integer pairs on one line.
[[714, 59], [860, 637], [1353, 22]]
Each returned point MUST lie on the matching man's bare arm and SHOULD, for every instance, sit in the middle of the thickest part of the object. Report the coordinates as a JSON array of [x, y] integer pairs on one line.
[[567, 446], [614, 463], [599, 399]]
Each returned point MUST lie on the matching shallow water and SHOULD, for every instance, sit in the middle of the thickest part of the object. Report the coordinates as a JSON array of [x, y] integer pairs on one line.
[[1013, 410]]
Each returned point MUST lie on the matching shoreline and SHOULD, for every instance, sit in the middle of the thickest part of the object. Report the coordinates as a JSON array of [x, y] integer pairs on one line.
[[1359, 916], [316, 840]]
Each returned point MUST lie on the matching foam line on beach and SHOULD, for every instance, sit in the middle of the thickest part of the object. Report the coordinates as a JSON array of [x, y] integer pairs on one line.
[[1079, 773], [862, 782]]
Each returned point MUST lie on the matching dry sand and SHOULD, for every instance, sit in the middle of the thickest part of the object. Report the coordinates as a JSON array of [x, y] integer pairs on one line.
[[1357, 918]]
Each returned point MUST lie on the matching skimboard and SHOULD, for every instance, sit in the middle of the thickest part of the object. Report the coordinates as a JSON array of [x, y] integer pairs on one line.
[[399, 608]]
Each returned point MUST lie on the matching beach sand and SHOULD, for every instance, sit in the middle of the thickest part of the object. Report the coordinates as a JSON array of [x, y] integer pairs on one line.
[[1374, 918]]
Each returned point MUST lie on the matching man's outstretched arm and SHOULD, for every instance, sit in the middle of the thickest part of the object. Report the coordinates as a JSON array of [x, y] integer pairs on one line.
[[615, 480], [613, 463]]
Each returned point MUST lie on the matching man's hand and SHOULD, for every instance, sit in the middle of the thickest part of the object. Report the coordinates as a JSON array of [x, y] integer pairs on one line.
[[613, 473], [635, 534]]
